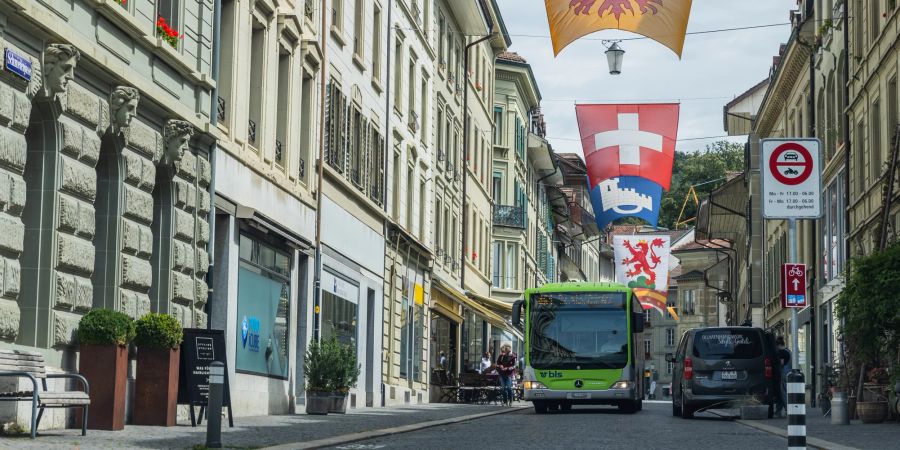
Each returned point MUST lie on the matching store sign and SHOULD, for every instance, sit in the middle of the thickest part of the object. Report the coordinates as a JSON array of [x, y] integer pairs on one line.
[[250, 333], [17, 64], [791, 178], [198, 350]]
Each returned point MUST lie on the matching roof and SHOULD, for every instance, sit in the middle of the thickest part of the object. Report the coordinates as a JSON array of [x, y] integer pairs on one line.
[[747, 94], [674, 235], [512, 56], [703, 244], [692, 275]]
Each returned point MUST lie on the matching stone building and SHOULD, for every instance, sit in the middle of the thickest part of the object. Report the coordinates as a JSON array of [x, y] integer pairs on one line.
[[267, 118], [105, 179]]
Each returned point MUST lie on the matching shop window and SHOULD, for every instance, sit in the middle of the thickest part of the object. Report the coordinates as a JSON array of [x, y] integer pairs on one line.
[[340, 310], [264, 301], [412, 326]]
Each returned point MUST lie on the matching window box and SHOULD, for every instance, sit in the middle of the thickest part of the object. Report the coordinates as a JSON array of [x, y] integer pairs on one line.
[[168, 34]]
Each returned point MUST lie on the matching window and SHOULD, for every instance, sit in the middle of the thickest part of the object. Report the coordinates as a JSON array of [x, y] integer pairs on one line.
[[498, 125], [423, 113], [876, 152], [423, 208], [359, 27], [892, 116], [412, 326], [376, 43], [648, 345], [397, 166], [512, 266], [438, 225], [283, 106], [669, 367], [497, 267], [337, 15], [376, 166], [264, 299], [306, 126], [670, 337], [687, 303], [170, 11], [336, 128], [340, 309], [411, 86], [398, 73], [874, 19], [357, 143], [859, 33], [859, 146], [257, 72], [410, 194]]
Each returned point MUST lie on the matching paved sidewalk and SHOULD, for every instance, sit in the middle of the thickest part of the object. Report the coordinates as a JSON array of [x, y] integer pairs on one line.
[[856, 435], [250, 432]]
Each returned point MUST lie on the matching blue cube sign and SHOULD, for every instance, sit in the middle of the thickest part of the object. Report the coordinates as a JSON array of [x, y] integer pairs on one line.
[[17, 64]]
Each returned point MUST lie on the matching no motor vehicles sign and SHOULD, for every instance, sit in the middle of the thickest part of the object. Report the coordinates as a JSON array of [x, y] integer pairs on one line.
[[791, 178]]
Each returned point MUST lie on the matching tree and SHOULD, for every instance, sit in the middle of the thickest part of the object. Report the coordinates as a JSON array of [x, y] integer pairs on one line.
[[706, 170]]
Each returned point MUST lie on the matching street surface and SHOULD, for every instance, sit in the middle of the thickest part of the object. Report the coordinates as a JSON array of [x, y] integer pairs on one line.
[[584, 427]]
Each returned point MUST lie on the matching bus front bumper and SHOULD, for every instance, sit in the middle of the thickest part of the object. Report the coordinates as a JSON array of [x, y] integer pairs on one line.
[[609, 396]]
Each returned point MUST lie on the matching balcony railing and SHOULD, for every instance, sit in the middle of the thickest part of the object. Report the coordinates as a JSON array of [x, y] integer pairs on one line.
[[309, 9], [509, 216], [251, 132], [220, 109]]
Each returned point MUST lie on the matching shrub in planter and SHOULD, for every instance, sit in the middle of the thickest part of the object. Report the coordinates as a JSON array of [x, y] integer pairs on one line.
[[345, 376], [104, 336], [158, 338], [319, 367]]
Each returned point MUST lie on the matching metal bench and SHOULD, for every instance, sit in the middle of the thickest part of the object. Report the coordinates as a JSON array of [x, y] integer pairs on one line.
[[21, 364]]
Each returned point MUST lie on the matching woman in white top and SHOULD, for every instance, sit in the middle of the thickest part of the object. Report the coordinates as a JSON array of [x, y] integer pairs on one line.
[[485, 363]]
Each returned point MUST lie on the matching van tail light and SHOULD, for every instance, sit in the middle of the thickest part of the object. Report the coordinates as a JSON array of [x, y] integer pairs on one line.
[[768, 368], [688, 369]]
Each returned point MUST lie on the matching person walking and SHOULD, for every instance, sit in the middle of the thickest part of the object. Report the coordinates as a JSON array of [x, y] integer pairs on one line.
[[784, 361], [506, 366]]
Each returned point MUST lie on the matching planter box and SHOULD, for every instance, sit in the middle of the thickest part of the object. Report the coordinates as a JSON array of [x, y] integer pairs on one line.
[[106, 369], [156, 387], [338, 403], [872, 412], [318, 403]]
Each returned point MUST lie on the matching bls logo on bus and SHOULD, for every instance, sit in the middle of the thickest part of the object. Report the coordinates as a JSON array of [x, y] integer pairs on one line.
[[551, 374]]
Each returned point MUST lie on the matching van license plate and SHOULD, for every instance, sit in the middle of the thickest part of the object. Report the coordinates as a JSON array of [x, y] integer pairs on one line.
[[579, 396], [729, 375]]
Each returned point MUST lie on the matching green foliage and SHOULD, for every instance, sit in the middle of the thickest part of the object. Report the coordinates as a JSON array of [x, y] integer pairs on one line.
[[691, 169], [330, 366], [105, 327], [869, 307], [160, 331]]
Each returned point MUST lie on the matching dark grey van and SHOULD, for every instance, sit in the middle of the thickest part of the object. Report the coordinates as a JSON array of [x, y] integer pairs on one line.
[[723, 367]]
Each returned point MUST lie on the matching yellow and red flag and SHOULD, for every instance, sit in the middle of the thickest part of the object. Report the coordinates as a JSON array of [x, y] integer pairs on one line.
[[664, 21]]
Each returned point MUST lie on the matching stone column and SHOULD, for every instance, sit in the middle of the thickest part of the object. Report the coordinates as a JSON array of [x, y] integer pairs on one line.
[[63, 148], [127, 174], [181, 231]]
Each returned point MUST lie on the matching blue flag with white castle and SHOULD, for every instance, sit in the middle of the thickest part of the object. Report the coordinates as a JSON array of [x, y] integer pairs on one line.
[[615, 198]]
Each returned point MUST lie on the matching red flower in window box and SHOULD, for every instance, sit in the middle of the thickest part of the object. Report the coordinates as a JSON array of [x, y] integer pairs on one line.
[[121, 2], [167, 33], [474, 256]]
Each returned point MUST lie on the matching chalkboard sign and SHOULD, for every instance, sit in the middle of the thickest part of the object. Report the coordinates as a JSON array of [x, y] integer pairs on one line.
[[200, 348]]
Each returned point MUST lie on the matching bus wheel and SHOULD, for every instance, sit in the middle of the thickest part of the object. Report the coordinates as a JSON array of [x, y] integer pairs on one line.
[[629, 407], [540, 408]]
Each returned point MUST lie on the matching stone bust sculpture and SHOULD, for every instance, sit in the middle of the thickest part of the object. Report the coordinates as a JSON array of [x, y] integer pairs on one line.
[[177, 134], [59, 67], [122, 107]]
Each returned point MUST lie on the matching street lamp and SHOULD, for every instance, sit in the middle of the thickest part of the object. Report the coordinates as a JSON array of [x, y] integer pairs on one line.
[[614, 55]]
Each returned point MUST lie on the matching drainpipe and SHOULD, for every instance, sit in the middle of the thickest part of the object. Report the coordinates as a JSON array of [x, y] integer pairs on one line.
[[812, 236], [317, 284], [465, 156], [388, 135], [846, 121], [213, 120]]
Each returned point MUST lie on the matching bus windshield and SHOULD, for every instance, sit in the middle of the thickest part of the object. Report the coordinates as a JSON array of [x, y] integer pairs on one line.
[[579, 330]]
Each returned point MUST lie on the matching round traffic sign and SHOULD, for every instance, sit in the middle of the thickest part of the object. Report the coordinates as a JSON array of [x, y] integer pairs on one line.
[[791, 164]]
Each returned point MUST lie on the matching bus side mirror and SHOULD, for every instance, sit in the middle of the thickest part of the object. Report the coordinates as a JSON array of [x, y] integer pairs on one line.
[[637, 322], [517, 313]]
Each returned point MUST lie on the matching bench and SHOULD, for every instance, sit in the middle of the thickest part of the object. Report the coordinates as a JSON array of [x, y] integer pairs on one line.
[[22, 364]]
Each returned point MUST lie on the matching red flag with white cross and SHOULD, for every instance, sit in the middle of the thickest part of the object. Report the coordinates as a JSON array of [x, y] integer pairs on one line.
[[629, 140]]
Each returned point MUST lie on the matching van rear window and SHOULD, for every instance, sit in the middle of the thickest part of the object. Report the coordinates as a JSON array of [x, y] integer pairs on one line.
[[727, 344]]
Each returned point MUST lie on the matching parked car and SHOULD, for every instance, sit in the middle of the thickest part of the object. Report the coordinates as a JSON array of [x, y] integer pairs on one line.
[[723, 366]]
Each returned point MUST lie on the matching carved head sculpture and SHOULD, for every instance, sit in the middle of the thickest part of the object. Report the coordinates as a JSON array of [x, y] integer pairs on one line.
[[177, 134], [59, 67], [123, 107]]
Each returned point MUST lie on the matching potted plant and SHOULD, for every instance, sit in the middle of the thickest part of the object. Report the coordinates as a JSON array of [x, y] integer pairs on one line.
[[318, 368], [104, 335], [345, 376], [158, 339]]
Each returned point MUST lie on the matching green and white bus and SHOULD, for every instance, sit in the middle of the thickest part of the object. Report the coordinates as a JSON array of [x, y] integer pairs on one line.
[[582, 346]]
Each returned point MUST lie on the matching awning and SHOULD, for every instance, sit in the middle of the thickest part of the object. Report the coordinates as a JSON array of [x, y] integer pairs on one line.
[[500, 307], [458, 296]]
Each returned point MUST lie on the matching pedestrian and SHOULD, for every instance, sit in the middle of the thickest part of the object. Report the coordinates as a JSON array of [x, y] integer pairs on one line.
[[506, 366], [486, 363], [784, 362], [442, 361]]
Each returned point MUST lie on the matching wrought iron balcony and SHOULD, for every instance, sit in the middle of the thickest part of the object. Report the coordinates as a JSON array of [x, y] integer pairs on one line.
[[302, 168], [309, 9], [220, 109], [509, 216], [251, 132]]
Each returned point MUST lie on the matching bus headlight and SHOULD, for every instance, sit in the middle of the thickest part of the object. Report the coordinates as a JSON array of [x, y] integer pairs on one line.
[[534, 385], [623, 385]]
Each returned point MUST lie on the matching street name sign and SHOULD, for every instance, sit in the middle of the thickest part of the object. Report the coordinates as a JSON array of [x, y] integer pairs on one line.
[[793, 286], [791, 178]]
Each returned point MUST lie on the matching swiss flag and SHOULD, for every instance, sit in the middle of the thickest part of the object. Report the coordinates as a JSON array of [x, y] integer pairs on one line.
[[629, 140]]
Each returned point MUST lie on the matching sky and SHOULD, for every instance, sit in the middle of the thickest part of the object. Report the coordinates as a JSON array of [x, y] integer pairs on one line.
[[714, 69]]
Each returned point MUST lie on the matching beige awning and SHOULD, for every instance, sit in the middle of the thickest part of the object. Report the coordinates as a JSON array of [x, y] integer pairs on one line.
[[485, 313]]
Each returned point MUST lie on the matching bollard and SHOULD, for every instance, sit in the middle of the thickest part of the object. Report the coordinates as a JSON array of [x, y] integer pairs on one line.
[[214, 405], [840, 414], [796, 393]]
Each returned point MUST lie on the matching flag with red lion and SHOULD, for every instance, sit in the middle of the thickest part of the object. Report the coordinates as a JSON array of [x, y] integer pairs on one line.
[[642, 263], [664, 21]]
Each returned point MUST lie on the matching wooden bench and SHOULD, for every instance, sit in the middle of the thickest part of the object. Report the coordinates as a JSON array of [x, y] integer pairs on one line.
[[21, 364]]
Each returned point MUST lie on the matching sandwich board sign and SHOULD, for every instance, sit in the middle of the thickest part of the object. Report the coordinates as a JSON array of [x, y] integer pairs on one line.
[[791, 178]]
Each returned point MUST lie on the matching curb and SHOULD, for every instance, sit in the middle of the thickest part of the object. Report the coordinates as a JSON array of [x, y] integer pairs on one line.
[[810, 441], [366, 435]]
